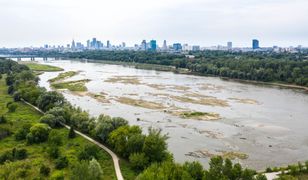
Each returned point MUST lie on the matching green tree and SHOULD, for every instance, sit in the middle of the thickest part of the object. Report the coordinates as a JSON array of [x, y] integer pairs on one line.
[[12, 107], [54, 138], [61, 162], [80, 171], [138, 161], [89, 152], [49, 100], [195, 169], [38, 133], [95, 170], [71, 134], [44, 170], [155, 146]]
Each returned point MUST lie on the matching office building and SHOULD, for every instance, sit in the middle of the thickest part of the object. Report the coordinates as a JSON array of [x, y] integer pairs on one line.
[[73, 45], [195, 48], [108, 44], [144, 45], [255, 44], [165, 45], [229, 45], [153, 45], [177, 47]]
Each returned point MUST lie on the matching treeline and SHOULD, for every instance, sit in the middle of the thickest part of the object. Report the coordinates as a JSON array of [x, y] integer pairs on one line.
[[147, 153], [289, 68]]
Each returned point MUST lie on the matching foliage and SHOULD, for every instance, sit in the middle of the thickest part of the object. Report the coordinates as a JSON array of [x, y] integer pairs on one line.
[[49, 100], [61, 162], [44, 170], [51, 120], [138, 161], [38, 133], [155, 146], [71, 133], [22, 132], [195, 169], [95, 170], [12, 107], [54, 139], [88, 153], [3, 119]]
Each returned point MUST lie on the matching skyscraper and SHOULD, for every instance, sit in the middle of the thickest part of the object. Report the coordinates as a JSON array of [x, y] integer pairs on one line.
[[229, 45], [108, 44], [88, 44], [73, 45], [153, 45], [165, 45], [177, 47], [144, 45], [255, 44]]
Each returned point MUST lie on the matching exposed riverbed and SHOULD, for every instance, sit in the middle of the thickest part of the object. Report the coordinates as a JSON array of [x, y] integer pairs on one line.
[[259, 126]]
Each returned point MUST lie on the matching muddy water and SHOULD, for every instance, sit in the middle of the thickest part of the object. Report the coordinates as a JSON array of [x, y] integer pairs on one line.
[[268, 124]]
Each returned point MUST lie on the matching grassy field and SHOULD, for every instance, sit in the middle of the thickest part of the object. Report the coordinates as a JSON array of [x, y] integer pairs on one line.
[[37, 154], [42, 67], [62, 76], [72, 85]]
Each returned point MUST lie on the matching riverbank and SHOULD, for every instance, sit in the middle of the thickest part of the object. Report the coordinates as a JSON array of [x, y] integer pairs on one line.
[[158, 67]]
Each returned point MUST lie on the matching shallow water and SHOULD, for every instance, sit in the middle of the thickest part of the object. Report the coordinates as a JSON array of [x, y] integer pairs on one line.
[[272, 131]]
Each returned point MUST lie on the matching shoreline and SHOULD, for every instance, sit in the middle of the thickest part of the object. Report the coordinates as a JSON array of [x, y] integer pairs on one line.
[[187, 72]]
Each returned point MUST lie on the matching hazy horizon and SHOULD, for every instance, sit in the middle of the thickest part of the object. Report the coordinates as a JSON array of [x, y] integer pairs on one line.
[[200, 22]]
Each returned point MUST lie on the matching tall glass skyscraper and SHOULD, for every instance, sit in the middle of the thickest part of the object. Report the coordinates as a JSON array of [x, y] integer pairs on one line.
[[255, 44], [153, 45]]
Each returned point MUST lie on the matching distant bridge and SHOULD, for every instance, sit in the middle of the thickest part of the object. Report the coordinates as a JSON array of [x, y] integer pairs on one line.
[[31, 57]]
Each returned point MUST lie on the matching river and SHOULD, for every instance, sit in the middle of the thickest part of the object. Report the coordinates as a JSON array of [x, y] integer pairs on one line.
[[268, 124]]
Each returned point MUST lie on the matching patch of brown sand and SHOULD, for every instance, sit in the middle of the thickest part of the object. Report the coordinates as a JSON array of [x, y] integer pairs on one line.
[[224, 154], [209, 101], [244, 101], [124, 79], [140, 103]]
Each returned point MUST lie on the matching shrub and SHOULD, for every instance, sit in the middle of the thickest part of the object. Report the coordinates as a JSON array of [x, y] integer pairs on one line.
[[61, 162], [44, 170], [19, 154], [71, 133], [53, 152], [38, 133], [3, 119], [89, 152], [21, 133], [54, 139], [4, 133], [6, 156], [138, 161], [57, 175], [12, 107]]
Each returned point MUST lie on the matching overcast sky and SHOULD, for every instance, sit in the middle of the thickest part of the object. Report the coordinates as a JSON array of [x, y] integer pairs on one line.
[[202, 22]]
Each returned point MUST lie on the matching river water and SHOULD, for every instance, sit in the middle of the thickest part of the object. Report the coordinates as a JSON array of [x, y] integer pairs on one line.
[[269, 124]]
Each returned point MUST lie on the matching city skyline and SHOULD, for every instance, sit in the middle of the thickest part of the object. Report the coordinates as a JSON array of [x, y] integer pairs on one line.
[[203, 22]]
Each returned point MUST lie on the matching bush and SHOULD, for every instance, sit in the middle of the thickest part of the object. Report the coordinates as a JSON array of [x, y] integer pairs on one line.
[[138, 161], [71, 133], [19, 154], [38, 133], [57, 175], [44, 170], [21, 133], [89, 152], [4, 133], [53, 152], [12, 107], [6, 156], [61, 162], [54, 139], [3, 119]]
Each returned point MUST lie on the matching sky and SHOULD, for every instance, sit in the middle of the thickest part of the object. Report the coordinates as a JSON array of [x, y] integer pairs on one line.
[[196, 22]]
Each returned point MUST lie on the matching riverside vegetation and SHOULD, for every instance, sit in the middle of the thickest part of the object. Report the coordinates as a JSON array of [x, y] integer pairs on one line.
[[37, 145]]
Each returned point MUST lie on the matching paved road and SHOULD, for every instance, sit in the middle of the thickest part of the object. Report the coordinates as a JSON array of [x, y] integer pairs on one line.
[[112, 154]]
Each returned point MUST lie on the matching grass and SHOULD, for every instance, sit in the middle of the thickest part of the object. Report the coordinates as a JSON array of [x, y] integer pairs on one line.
[[42, 67], [200, 115], [37, 154], [72, 85], [62, 76]]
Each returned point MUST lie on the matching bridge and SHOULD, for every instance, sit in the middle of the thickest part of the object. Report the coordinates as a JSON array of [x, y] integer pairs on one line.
[[31, 57]]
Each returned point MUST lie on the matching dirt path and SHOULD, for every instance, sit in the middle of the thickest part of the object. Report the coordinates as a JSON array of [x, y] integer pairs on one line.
[[112, 154]]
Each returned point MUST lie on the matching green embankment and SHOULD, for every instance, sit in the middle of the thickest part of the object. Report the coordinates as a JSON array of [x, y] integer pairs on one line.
[[42, 67], [62, 76], [37, 153]]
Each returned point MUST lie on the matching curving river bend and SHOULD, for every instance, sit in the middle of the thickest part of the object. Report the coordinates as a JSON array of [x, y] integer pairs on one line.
[[268, 124]]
